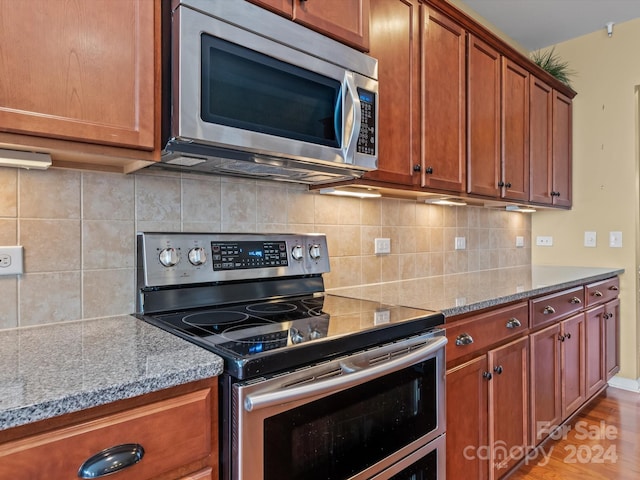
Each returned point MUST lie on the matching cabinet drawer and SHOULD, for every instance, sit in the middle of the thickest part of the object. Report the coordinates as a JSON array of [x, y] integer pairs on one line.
[[473, 334], [549, 308], [602, 292], [173, 433]]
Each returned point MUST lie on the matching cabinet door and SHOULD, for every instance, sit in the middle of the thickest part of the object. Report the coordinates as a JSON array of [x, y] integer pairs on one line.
[[443, 104], [545, 404], [395, 42], [483, 88], [515, 131], [508, 404], [572, 364], [562, 120], [540, 140], [344, 20], [594, 351], [467, 390], [612, 338], [82, 70]]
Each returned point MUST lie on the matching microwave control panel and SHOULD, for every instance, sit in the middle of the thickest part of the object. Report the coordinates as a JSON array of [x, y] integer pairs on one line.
[[367, 137]]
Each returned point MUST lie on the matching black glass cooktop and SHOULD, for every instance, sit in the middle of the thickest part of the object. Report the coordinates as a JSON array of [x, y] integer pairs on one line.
[[270, 336]]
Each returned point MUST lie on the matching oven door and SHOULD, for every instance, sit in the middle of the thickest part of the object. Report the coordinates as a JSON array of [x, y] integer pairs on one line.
[[351, 418]]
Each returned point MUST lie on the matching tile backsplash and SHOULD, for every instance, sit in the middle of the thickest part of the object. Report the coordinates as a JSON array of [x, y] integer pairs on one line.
[[78, 232]]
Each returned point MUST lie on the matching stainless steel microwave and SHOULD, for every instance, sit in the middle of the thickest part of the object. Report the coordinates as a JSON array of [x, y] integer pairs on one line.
[[255, 94]]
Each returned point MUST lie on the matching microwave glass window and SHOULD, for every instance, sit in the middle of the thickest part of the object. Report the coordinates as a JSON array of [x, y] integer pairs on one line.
[[246, 89], [337, 436]]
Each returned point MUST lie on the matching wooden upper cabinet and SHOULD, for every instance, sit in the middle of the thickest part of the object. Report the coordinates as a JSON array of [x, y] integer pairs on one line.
[[483, 87], [443, 104], [515, 132], [562, 142], [395, 38], [344, 20], [82, 71], [540, 140]]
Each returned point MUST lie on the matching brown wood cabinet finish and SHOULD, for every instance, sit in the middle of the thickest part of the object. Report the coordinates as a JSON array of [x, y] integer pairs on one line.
[[483, 121], [82, 71], [555, 306], [572, 363], [595, 375], [540, 140], [443, 165], [562, 143], [612, 338], [467, 420], [508, 404], [395, 42], [344, 20], [515, 132]]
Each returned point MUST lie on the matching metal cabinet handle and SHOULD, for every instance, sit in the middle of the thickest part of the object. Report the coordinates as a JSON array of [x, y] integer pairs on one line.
[[487, 375], [548, 310], [513, 323], [429, 170], [498, 369], [464, 339], [561, 338], [568, 336], [597, 293], [613, 288], [575, 300], [417, 167], [111, 460]]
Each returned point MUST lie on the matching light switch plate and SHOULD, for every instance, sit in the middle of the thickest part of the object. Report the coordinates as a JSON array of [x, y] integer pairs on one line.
[[615, 239], [460, 243], [519, 241], [590, 239]]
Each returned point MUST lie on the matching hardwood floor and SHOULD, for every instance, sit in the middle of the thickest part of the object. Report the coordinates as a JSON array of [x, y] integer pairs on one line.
[[602, 442]]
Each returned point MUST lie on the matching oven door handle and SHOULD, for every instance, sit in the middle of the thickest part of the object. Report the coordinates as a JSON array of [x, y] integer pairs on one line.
[[350, 377]]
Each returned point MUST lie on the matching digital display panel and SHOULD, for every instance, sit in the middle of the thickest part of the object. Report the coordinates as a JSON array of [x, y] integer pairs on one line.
[[248, 255]]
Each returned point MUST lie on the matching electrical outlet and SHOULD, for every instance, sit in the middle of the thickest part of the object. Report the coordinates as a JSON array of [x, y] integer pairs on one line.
[[615, 239], [381, 316], [382, 246], [460, 243], [11, 261], [590, 239], [544, 241], [519, 241]]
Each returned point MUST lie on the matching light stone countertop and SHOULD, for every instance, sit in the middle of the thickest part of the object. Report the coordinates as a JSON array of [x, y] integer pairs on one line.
[[54, 369], [468, 292]]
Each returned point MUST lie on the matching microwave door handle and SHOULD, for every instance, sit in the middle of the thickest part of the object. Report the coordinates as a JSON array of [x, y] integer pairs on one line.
[[353, 118], [348, 379]]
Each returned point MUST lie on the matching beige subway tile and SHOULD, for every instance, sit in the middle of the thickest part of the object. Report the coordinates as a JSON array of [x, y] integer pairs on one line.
[[423, 239], [9, 310], [405, 240], [390, 212], [437, 263], [108, 292], [8, 192], [407, 213], [407, 266], [50, 245], [370, 211], [390, 267], [368, 235], [422, 265], [201, 200], [326, 210], [272, 204], [437, 239], [108, 196], [157, 199], [301, 206], [238, 203], [49, 194], [371, 269], [8, 231], [49, 298], [108, 244]]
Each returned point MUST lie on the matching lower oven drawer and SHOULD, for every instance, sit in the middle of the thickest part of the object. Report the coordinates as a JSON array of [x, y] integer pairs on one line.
[[173, 433], [350, 418]]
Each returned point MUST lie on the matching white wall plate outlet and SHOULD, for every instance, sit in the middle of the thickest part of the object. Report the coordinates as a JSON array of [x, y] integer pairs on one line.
[[590, 239], [11, 261], [519, 241], [615, 239], [382, 246], [460, 243], [543, 241]]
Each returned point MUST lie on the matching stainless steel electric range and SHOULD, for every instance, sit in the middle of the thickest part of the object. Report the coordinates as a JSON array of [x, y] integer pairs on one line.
[[314, 385]]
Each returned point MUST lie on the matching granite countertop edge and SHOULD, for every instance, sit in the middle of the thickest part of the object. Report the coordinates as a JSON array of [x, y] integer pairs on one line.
[[534, 292]]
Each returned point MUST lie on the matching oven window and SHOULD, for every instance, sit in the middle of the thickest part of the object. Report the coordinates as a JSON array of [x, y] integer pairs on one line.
[[248, 90], [424, 469], [342, 434]]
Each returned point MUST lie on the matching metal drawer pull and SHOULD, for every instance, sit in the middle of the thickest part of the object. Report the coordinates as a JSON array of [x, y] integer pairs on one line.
[[568, 336], [548, 310], [464, 339], [597, 294], [487, 375], [513, 323], [111, 460], [613, 288], [575, 300], [498, 369], [561, 338]]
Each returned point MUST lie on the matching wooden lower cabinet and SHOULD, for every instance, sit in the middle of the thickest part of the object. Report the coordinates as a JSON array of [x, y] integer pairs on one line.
[[487, 412], [178, 435], [612, 338], [595, 375], [572, 354]]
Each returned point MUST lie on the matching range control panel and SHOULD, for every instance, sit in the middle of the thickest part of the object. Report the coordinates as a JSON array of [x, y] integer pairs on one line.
[[187, 258]]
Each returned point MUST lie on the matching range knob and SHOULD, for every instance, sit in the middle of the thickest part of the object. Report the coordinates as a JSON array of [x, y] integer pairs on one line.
[[169, 257], [297, 252], [197, 256], [296, 336], [315, 252]]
